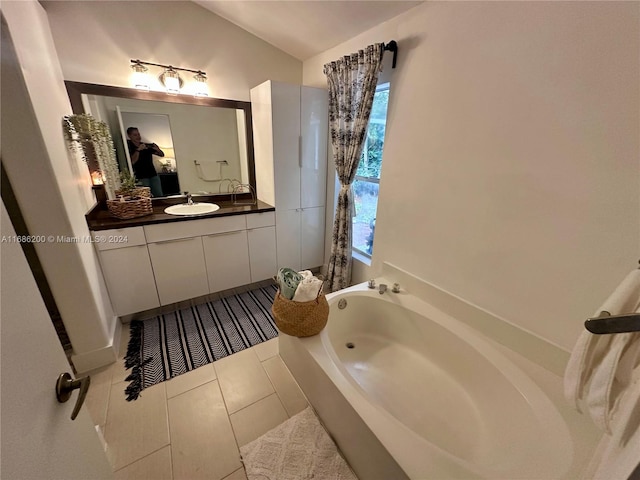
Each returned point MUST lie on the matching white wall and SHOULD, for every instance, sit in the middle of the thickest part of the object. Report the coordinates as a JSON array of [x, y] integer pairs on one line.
[[511, 165], [96, 41], [52, 189]]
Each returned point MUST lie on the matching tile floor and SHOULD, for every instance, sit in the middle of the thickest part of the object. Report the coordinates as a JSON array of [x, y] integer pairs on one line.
[[191, 426]]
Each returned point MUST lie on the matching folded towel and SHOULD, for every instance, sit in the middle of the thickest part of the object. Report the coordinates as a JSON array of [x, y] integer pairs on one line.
[[616, 455], [288, 281], [308, 289], [306, 273], [600, 366]]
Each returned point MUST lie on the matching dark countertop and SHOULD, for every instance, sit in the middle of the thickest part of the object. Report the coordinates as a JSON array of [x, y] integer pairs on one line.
[[98, 218]]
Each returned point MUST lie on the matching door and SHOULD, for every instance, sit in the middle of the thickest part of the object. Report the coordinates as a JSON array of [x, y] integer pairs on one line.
[[179, 268], [314, 125], [288, 238], [312, 237], [39, 439], [262, 252], [130, 280], [227, 258]]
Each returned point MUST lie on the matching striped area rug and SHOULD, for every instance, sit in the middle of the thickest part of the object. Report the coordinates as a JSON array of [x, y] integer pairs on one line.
[[174, 343]]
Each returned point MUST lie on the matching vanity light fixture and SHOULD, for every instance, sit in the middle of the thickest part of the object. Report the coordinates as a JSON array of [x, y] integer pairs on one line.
[[140, 77], [200, 87], [171, 81], [170, 78]]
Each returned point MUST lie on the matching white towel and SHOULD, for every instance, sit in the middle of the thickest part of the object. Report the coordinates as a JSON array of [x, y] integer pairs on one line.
[[308, 289], [600, 366], [617, 454]]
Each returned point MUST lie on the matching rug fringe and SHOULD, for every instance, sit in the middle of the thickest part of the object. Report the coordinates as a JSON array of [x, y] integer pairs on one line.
[[134, 361]]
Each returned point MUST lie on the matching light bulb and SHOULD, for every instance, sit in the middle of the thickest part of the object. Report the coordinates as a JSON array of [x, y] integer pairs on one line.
[[200, 88], [140, 78], [171, 81]]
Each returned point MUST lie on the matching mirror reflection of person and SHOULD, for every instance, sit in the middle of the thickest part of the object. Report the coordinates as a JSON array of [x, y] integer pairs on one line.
[[142, 160]]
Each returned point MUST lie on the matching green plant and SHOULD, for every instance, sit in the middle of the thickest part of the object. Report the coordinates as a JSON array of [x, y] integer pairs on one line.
[[91, 140], [127, 184]]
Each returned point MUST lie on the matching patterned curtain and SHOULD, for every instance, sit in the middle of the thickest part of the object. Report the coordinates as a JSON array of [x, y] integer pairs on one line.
[[352, 83]]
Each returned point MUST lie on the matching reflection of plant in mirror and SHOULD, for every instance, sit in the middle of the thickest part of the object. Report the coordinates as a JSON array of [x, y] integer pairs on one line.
[[129, 190], [127, 184], [91, 139]]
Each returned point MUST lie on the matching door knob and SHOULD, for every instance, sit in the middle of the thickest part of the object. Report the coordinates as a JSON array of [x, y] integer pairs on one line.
[[65, 385]]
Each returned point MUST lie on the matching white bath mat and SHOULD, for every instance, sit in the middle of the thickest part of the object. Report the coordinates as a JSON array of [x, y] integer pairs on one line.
[[298, 449]]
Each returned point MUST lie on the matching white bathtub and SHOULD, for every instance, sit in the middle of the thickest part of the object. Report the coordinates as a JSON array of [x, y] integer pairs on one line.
[[408, 391]]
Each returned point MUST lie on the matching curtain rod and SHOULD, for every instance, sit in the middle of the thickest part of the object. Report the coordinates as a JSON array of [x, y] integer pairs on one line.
[[392, 46]]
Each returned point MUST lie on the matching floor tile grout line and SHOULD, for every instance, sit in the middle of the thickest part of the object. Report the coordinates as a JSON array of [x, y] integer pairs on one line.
[[166, 401], [145, 456], [235, 438]]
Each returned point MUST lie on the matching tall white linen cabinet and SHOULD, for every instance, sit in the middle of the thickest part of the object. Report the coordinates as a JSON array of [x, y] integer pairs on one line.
[[290, 131]]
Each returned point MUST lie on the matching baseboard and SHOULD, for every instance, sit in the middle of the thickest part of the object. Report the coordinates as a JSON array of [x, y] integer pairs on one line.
[[85, 362]]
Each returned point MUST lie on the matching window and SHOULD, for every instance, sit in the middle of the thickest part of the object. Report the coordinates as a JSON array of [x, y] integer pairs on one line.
[[365, 185]]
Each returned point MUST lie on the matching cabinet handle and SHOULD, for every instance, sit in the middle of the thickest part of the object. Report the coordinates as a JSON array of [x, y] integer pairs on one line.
[[300, 151], [224, 233], [175, 240]]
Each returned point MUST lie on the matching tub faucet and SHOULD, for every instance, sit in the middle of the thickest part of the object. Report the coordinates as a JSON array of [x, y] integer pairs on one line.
[[189, 200], [382, 288]]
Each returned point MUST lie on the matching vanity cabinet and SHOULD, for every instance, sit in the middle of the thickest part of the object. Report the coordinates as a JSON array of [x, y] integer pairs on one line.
[[261, 235], [160, 264], [227, 258], [179, 269], [290, 125], [126, 267]]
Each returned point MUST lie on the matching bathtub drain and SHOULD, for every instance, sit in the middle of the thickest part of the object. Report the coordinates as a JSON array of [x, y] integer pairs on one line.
[[350, 345]]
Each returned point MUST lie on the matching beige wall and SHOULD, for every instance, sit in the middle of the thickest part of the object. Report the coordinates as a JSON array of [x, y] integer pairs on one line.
[[511, 165], [95, 42], [52, 188]]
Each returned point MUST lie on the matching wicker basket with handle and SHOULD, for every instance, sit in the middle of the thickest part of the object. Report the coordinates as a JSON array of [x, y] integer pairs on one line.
[[300, 319]]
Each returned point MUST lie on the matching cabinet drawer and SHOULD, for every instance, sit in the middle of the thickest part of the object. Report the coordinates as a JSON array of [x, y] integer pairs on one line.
[[194, 228], [118, 238], [258, 220]]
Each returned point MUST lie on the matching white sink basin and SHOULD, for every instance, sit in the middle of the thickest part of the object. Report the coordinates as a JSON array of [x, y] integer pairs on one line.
[[194, 209]]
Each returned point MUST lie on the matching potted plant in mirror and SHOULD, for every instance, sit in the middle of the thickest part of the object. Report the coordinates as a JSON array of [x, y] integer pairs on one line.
[[129, 187], [131, 201]]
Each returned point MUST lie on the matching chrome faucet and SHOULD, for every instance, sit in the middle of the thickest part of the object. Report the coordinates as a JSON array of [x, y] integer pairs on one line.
[[382, 288], [189, 200]]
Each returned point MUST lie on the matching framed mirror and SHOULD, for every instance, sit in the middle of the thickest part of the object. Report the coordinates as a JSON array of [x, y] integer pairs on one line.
[[207, 143]]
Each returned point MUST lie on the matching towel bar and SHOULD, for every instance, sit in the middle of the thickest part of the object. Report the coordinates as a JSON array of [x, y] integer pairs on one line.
[[606, 323]]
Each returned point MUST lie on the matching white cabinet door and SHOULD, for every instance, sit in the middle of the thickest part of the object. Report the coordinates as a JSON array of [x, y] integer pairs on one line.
[[262, 253], [312, 237], [314, 124], [227, 258], [286, 144], [179, 269], [129, 277], [288, 238]]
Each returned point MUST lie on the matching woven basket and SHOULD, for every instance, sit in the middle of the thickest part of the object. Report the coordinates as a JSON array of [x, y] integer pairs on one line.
[[130, 208], [142, 192], [300, 319]]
